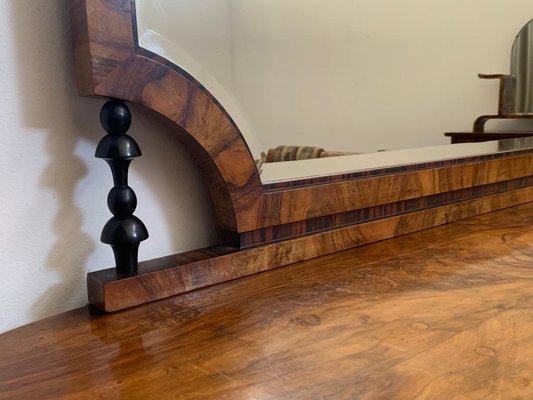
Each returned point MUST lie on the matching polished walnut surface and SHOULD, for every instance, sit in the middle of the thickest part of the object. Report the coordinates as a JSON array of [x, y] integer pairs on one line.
[[445, 313]]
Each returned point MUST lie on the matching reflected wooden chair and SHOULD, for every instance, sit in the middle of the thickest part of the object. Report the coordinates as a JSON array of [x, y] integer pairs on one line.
[[505, 101], [515, 101]]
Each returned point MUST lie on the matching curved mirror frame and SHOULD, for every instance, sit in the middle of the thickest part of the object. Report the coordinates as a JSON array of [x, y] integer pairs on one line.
[[111, 63], [271, 225]]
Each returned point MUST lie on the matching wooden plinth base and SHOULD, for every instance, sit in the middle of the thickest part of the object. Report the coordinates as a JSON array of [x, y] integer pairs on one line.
[[181, 273]]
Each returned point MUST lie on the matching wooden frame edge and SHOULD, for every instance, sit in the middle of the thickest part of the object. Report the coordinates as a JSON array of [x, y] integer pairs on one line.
[[157, 280], [304, 219]]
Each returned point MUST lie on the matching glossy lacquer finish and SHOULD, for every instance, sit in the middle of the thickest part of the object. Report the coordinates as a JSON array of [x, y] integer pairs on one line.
[[442, 314], [124, 231], [110, 63]]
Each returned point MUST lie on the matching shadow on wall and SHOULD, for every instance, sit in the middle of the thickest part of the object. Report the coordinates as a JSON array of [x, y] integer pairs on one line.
[[78, 182]]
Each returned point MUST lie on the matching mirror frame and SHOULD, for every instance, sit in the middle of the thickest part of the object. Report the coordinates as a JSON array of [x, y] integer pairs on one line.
[[268, 225]]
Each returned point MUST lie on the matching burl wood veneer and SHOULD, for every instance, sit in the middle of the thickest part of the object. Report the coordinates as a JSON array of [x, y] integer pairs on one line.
[[111, 64], [442, 314], [178, 274], [267, 226]]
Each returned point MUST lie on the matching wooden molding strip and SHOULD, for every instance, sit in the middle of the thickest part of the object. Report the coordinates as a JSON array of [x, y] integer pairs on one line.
[[288, 206], [173, 275], [363, 215]]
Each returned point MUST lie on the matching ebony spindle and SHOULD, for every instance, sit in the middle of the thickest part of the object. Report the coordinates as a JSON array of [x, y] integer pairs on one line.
[[123, 231]]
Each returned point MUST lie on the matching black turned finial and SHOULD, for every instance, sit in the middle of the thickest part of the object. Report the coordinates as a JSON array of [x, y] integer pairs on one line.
[[123, 231]]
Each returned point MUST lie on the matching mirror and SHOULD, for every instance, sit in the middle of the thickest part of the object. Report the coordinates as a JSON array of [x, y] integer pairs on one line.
[[367, 197], [522, 70], [516, 90], [345, 76]]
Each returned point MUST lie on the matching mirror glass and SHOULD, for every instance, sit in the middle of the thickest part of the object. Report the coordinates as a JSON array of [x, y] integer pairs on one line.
[[522, 70], [362, 80]]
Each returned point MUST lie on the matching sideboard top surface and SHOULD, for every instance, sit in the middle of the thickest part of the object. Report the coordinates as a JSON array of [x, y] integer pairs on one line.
[[442, 313]]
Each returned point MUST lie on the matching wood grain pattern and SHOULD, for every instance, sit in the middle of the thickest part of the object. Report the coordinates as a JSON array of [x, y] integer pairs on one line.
[[120, 69], [117, 71], [286, 206], [286, 222], [367, 214], [173, 275], [442, 314]]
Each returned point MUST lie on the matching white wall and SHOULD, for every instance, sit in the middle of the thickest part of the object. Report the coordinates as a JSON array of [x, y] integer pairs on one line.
[[365, 75], [52, 189]]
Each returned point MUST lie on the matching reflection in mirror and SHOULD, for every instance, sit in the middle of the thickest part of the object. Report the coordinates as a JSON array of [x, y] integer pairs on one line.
[[349, 76], [278, 172], [522, 70], [516, 91]]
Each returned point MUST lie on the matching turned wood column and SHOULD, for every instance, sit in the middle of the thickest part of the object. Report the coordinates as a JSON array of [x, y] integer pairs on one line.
[[124, 231]]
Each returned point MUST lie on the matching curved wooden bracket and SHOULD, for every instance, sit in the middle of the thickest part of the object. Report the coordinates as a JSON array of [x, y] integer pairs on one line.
[[110, 63]]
